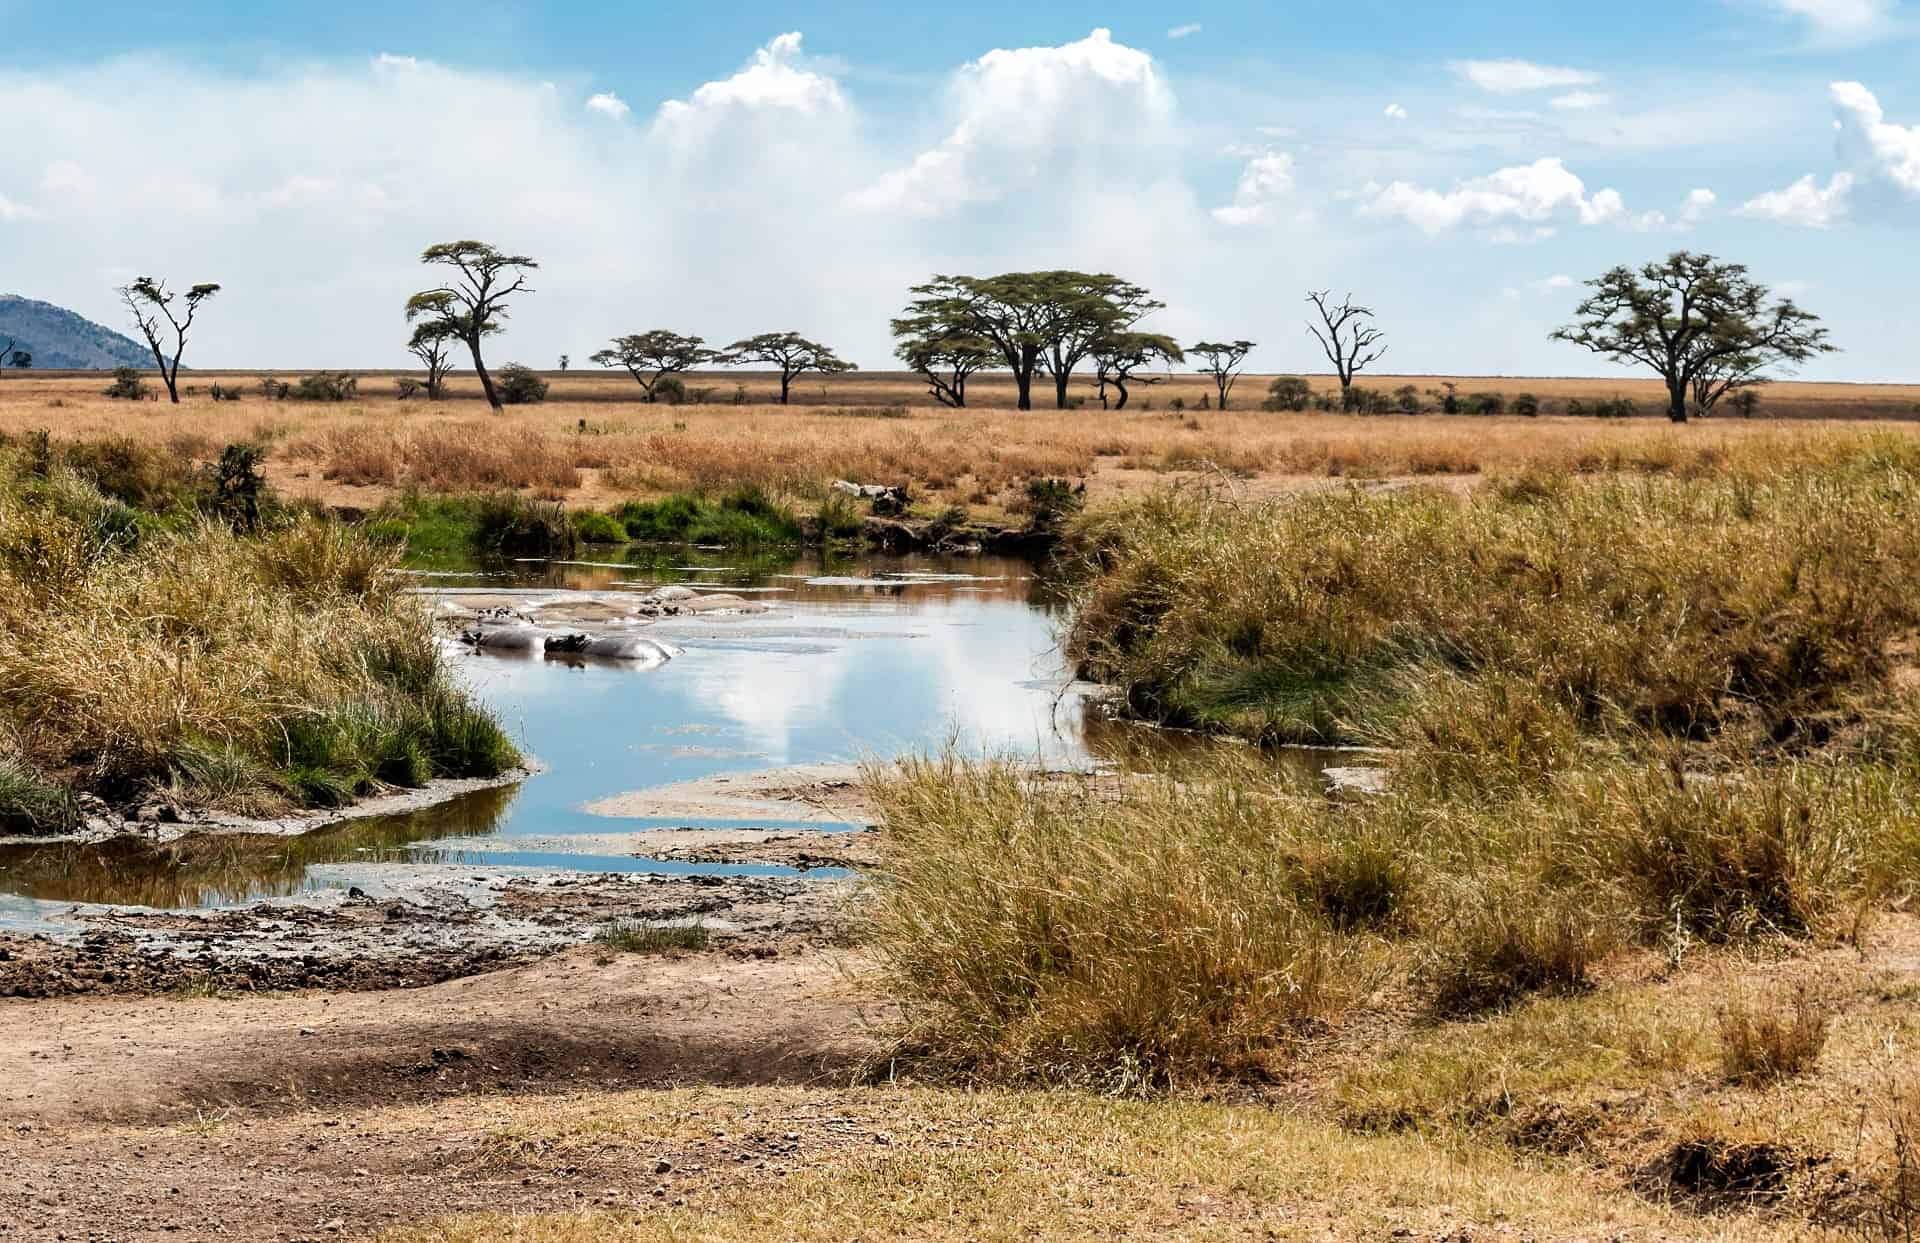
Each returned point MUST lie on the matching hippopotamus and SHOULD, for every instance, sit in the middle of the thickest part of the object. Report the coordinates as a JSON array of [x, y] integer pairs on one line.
[[631, 649], [506, 639]]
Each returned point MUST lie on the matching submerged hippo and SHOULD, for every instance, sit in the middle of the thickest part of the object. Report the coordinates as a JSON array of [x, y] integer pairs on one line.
[[507, 639]]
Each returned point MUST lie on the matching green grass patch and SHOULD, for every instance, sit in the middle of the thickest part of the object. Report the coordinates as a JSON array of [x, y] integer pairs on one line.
[[636, 938]]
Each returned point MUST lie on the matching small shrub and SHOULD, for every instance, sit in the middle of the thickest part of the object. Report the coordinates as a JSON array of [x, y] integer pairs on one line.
[[1407, 399], [127, 385], [1527, 406], [840, 517], [1486, 404], [326, 386], [700, 396], [636, 938], [1178, 403], [1744, 402], [1287, 392], [1050, 501], [274, 390], [517, 526], [519, 385], [1765, 1042], [238, 485], [598, 528], [407, 388], [669, 390], [225, 392]]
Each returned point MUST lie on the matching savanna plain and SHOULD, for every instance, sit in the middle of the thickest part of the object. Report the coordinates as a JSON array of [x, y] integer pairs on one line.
[[1604, 927]]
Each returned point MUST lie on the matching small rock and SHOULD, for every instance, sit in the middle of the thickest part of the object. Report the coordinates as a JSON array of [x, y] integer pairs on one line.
[[663, 1166]]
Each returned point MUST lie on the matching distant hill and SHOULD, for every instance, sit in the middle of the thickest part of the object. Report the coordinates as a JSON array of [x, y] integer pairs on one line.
[[58, 339]]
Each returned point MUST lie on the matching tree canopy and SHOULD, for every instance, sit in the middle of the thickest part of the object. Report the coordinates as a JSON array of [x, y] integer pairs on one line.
[[1702, 323], [473, 301], [1118, 358], [650, 357], [1223, 359], [1029, 321], [792, 353], [944, 358], [149, 301]]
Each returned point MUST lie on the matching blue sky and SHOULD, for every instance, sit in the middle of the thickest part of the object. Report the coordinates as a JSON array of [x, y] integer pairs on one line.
[[731, 169]]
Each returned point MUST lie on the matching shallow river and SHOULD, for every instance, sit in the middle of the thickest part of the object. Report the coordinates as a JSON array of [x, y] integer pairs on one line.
[[857, 658]]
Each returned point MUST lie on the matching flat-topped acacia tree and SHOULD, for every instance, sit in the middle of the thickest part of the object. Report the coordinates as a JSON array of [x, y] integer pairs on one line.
[[651, 357], [473, 302], [1118, 359], [149, 301], [1703, 324], [792, 353], [1223, 359], [430, 343], [945, 359]]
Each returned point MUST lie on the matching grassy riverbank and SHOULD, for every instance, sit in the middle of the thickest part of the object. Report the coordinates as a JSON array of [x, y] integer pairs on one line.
[[148, 649], [1636, 731]]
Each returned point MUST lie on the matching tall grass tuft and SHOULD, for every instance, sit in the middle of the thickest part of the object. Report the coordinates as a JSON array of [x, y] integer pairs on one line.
[[1042, 930]]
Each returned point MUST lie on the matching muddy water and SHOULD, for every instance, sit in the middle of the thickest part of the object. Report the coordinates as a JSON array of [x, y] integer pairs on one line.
[[873, 656]]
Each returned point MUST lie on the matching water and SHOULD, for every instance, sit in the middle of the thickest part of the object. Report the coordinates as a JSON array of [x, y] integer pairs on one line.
[[860, 657]]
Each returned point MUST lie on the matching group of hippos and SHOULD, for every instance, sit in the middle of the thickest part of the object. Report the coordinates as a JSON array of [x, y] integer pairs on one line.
[[506, 631]]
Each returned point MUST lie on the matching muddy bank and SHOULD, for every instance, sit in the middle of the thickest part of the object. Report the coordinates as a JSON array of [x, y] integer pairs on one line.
[[801, 792]]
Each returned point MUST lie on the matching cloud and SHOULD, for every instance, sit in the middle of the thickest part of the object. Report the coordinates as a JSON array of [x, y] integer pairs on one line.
[[1838, 20], [1267, 178], [1873, 144], [1698, 206], [1559, 280], [777, 80], [1507, 77], [10, 210], [608, 104], [1580, 101], [1396, 113], [1181, 32], [1088, 109], [1528, 194], [1805, 202]]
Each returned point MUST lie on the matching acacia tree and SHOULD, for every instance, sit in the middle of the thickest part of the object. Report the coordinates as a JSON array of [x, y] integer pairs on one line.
[[1117, 358], [650, 357], [1691, 316], [1223, 359], [1095, 309], [149, 301], [432, 343], [12, 356], [1016, 314], [473, 302], [945, 360], [792, 353], [1348, 338]]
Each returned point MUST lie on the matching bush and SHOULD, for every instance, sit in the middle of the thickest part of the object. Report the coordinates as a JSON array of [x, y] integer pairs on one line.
[[1049, 501], [1486, 403], [669, 390], [29, 803], [520, 385], [1407, 399], [227, 392], [840, 517], [1526, 405], [1287, 392], [407, 388], [326, 386], [274, 390], [517, 526], [599, 528], [127, 385], [1358, 399]]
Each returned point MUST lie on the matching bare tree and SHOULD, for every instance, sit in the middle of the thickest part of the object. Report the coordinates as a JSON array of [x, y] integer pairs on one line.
[[149, 301], [1703, 324], [431, 343], [1347, 335], [474, 301], [792, 353], [650, 357], [1223, 359]]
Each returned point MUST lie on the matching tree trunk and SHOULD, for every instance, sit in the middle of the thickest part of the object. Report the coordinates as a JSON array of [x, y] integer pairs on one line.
[[486, 378], [1060, 382], [1024, 381], [1677, 400], [786, 383], [1121, 402]]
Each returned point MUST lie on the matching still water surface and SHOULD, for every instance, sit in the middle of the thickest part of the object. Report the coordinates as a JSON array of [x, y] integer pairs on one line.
[[870, 656]]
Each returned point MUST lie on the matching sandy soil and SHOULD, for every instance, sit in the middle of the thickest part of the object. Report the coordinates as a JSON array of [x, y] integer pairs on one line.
[[811, 792], [291, 1117]]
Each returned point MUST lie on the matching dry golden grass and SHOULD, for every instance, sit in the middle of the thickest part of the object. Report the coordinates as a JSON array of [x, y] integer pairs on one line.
[[593, 442]]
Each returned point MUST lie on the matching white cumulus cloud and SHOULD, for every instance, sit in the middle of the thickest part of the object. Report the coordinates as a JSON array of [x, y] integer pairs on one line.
[[1806, 202], [1396, 112], [1869, 140], [1091, 108], [1508, 77], [1267, 177], [1181, 32], [1533, 194], [608, 104]]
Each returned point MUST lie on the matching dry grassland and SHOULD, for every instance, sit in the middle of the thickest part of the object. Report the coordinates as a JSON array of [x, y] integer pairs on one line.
[[592, 443]]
